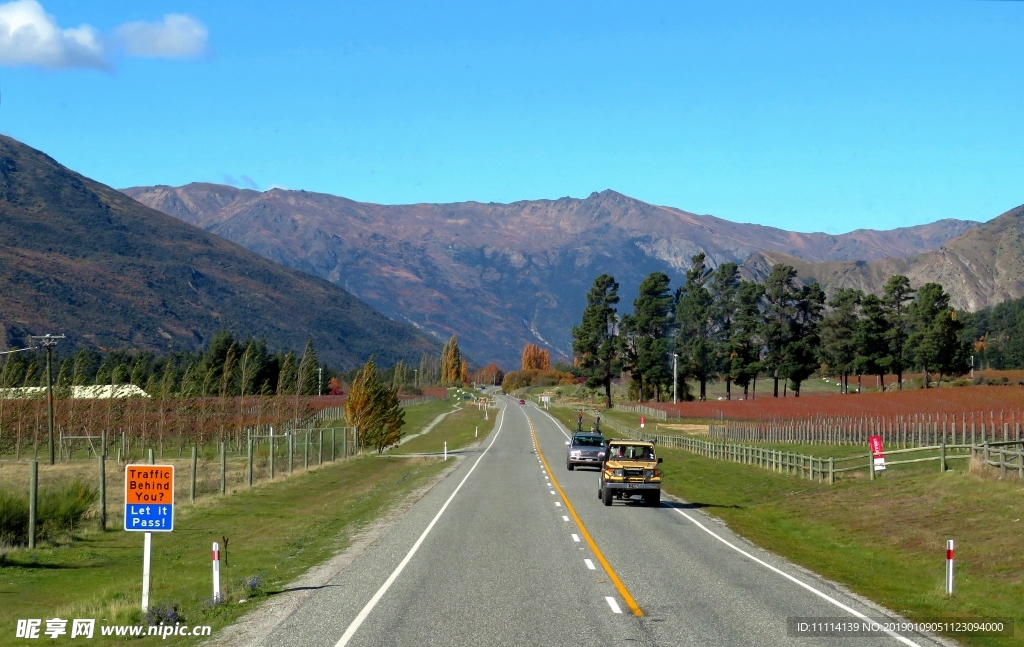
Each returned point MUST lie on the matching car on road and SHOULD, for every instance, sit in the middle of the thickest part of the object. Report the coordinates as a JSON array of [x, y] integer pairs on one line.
[[584, 449], [630, 468], [522, 402]]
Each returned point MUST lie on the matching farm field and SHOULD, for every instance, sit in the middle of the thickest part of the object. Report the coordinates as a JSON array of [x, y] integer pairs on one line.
[[945, 400]]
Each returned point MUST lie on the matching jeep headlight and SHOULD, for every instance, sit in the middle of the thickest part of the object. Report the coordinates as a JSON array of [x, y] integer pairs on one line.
[[648, 474], [617, 471]]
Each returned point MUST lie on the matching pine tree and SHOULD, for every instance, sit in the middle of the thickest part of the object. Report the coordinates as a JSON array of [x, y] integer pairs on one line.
[[744, 345], [870, 341], [594, 341], [896, 297], [652, 313], [800, 353], [839, 334], [724, 291], [695, 338], [780, 295]]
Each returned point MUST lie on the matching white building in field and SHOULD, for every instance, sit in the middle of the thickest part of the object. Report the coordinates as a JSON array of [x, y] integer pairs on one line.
[[97, 392]]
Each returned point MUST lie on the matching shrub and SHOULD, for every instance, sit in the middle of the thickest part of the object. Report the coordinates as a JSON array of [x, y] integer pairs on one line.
[[167, 613], [58, 510]]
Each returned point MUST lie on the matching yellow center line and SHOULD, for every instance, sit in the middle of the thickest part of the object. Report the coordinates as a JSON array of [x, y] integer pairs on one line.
[[630, 602]]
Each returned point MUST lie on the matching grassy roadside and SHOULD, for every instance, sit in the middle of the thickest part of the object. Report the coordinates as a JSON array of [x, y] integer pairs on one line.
[[276, 531], [883, 539], [457, 428]]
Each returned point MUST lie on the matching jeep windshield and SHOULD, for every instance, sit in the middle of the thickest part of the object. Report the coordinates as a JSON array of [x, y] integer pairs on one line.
[[631, 453]]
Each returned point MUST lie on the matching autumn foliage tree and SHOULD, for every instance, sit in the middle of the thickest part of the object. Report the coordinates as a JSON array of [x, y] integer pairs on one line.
[[373, 408], [490, 374], [451, 363], [535, 357]]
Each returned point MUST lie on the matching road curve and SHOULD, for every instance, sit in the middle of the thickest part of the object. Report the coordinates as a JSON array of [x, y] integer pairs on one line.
[[492, 556]]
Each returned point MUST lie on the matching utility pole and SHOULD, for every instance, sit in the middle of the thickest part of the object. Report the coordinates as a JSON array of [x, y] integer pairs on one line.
[[48, 342], [320, 381], [416, 378], [675, 377]]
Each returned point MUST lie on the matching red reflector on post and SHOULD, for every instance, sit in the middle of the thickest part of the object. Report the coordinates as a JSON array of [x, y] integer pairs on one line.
[[949, 554]]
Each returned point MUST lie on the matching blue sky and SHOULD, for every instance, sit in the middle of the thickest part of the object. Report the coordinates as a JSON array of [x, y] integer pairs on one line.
[[813, 116]]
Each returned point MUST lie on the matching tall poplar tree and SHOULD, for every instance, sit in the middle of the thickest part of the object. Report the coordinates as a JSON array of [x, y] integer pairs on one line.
[[744, 345], [594, 340]]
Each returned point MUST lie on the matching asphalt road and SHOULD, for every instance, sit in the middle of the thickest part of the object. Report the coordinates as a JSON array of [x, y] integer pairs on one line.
[[493, 556]]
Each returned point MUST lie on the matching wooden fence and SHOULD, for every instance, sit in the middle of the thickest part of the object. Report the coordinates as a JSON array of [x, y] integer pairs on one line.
[[896, 431], [1008, 456], [650, 412]]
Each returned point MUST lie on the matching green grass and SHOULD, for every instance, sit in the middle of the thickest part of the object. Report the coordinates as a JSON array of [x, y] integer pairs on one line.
[[276, 531], [883, 539], [458, 429]]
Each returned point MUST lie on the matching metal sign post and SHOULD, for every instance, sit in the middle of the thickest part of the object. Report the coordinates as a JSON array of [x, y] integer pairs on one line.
[[148, 508]]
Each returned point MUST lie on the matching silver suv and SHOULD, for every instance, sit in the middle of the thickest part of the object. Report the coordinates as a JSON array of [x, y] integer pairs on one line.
[[585, 449]]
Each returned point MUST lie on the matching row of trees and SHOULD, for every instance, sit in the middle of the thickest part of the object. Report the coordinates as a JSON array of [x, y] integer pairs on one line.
[[720, 326], [227, 367]]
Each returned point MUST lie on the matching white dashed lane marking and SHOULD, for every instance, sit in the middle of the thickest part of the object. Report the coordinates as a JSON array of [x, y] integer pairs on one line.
[[590, 564], [575, 537], [613, 604]]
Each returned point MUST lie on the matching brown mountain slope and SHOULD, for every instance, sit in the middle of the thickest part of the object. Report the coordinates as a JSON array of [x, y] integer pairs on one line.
[[980, 268], [499, 275], [81, 258]]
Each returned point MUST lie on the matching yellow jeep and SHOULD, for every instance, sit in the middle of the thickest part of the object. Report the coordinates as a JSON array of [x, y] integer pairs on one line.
[[630, 467]]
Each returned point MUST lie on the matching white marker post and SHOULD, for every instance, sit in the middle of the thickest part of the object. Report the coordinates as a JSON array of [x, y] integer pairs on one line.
[[146, 551], [949, 567], [216, 572], [476, 433], [446, 450]]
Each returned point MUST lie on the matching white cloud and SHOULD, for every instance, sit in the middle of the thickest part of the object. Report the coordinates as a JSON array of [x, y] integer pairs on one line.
[[178, 36], [30, 36]]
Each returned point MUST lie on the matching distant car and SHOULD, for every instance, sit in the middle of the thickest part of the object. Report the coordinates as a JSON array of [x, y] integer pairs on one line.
[[522, 402], [585, 449], [466, 397]]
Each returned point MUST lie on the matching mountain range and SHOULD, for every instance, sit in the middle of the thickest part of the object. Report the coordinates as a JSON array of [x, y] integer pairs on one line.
[[503, 275], [81, 258]]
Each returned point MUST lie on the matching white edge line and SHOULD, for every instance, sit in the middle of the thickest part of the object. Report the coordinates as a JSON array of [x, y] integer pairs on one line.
[[854, 612], [365, 612], [613, 604]]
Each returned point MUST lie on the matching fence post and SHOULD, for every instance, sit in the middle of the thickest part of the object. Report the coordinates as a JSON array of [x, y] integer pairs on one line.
[[305, 452], [103, 491], [831, 471], [273, 446], [249, 435], [871, 466], [333, 430], [320, 449], [152, 456], [223, 468], [291, 449], [33, 498], [942, 455], [192, 484]]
